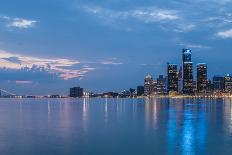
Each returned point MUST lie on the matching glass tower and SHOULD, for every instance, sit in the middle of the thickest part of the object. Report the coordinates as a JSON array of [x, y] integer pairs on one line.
[[187, 72], [201, 77], [172, 78]]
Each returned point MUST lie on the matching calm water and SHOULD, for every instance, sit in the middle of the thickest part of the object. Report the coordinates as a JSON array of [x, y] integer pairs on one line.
[[115, 126]]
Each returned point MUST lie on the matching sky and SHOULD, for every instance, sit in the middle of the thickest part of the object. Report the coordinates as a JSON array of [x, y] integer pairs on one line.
[[48, 46]]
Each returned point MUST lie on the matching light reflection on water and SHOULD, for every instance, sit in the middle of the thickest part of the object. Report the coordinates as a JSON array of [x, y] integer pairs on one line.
[[115, 126]]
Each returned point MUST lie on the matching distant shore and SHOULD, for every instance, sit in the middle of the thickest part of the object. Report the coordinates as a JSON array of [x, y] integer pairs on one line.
[[110, 97]]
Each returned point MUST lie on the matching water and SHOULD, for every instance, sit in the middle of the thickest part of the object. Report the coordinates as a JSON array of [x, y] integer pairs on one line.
[[115, 126]]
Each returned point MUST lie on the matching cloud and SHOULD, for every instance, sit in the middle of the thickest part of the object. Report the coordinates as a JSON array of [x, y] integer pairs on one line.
[[196, 46], [111, 63], [149, 14], [166, 19], [62, 68], [225, 34], [20, 23], [23, 82], [106, 61]]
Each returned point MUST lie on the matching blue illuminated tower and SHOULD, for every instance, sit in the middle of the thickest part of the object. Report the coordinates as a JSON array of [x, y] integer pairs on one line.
[[187, 72]]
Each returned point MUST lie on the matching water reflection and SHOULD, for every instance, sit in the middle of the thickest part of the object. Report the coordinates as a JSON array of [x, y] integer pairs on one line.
[[118, 126], [85, 109]]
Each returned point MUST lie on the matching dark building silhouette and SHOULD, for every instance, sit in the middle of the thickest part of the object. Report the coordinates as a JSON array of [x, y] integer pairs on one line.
[[172, 78], [76, 92], [140, 90], [201, 77], [187, 72], [218, 84], [161, 85], [228, 83]]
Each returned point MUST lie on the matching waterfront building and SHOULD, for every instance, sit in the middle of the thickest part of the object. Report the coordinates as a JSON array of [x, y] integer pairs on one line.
[[110, 95], [218, 84], [201, 77], [132, 92], [148, 85], [172, 78], [140, 90], [76, 92], [187, 72], [228, 83], [154, 87], [180, 81], [161, 87], [209, 88], [194, 87]]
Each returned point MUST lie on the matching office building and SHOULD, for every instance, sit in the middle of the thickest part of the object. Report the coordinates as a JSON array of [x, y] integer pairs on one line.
[[76, 92], [140, 90], [201, 77], [148, 85], [218, 84], [172, 78], [228, 83], [187, 72], [161, 87]]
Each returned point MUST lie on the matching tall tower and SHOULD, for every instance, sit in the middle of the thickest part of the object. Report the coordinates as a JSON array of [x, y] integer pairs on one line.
[[228, 83], [187, 71], [201, 77], [148, 85], [172, 78]]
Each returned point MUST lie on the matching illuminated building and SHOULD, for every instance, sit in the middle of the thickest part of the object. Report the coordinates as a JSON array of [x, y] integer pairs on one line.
[[161, 88], [228, 83], [172, 78], [187, 72], [148, 85], [218, 84], [201, 77]]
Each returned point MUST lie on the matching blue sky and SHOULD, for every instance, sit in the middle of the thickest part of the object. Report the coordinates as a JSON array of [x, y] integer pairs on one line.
[[48, 46]]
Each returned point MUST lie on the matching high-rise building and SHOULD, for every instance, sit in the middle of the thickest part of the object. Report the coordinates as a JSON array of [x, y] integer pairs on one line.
[[228, 83], [76, 92], [187, 72], [161, 88], [154, 87], [180, 81], [148, 85], [140, 90], [218, 84], [172, 78], [201, 77], [132, 92], [209, 88]]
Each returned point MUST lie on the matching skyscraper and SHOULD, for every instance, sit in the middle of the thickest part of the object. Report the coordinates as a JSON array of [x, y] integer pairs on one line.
[[218, 84], [161, 85], [172, 78], [148, 85], [187, 72], [201, 77], [76, 92], [228, 83], [140, 90]]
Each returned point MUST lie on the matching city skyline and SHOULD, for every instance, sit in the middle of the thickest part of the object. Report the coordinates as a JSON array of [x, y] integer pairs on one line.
[[104, 46]]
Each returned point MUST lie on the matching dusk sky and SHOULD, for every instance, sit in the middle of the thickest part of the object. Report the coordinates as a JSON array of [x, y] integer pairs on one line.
[[48, 46]]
